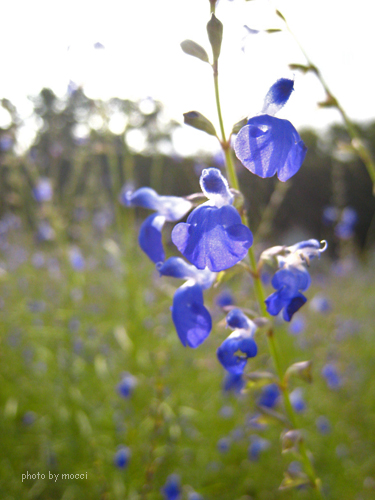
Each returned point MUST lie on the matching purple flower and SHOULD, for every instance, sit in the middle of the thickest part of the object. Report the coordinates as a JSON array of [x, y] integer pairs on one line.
[[269, 145], [292, 278], [191, 319], [240, 340], [213, 235], [167, 208]]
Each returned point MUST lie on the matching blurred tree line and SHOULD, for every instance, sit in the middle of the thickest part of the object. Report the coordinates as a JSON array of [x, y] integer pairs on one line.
[[84, 147]]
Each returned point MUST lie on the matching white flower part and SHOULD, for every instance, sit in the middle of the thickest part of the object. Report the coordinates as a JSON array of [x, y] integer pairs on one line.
[[215, 187], [172, 207], [301, 253]]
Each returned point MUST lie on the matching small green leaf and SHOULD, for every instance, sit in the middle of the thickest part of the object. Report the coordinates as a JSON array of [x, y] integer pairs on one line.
[[200, 122], [330, 102], [194, 49], [302, 67], [237, 126], [301, 370], [215, 35], [278, 13], [293, 480], [273, 30], [290, 441]]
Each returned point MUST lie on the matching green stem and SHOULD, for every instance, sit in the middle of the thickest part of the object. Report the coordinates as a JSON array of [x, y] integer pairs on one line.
[[357, 144]]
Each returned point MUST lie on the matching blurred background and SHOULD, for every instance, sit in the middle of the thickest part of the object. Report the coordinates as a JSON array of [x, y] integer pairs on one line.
[[93, 377]]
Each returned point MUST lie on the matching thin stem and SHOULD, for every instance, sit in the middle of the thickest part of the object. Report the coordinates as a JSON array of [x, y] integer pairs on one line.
[[357, 143]]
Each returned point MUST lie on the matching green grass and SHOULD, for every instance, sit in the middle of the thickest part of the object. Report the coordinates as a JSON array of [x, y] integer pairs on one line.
[[63, 363]]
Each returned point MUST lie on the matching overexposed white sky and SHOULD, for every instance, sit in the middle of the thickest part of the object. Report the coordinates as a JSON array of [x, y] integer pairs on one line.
[[47, 43]]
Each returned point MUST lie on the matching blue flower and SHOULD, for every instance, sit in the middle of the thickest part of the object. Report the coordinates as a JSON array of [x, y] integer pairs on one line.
[[42, 191], [191, 319], [257, 445], [332, 376], [292, 278], [126, 386], [233, 382], [269, 145], [167, 208], [344, 230], [296, 398], [172, 489], [269, 396], [122, 457], [213, 235], [240, 340]]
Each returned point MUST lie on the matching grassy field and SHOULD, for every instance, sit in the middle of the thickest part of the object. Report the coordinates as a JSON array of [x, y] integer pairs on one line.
[[69, 336]]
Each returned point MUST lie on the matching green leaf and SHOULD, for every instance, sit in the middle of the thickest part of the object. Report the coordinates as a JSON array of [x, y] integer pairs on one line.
[[301, 370], [200, 122], [293, 480], [278, 13], [237, 126], [194, 49], [215, 35], [273, 30], [302, 67]]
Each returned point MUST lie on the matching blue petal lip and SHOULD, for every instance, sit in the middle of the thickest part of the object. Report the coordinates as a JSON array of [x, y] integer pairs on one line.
[[226, 353], [150, 239], [144, 197], [213, 237], [269, 145], [191, 319], [236, 319], [278, 95]]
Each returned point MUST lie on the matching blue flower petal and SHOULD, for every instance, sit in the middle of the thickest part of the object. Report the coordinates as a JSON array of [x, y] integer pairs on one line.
[[277, 96], [226, 352], [291, 279], [269, 145], [150, 239], [215, 187], [236, 319], [144, 197], [293, 306], [213, 237], [191, 319]]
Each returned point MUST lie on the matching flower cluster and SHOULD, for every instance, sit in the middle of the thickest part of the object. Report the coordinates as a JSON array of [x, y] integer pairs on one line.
[[292, 277]]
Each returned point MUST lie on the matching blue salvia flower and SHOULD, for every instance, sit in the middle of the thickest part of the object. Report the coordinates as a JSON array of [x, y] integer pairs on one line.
[[233, 382], [213, 235], [269, 145], [240, 340], [167, 208], [345, 227], [172, 489], [126, 386], [292, 278], [191, 319], [296, 398], [331, 376], [256, 447], [269, 396], [122, 457], [42, 190]]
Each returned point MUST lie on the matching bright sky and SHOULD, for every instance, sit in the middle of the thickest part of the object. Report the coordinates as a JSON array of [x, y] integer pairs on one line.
[[142, 55]]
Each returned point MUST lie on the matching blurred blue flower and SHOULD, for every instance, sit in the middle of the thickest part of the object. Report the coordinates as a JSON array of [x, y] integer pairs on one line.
[[126, 386], [323, 425], [331, 376], [172, 489], [256, 447], [297, 325], [269, 145], [76, 258], [296, 398], [223, 445], [42, 190], [122, 457], [239, 340], [225, 298], [344, 230], [194, 496], [321, 304], [292, 278], [191, 319], [213, 235], [45, 231], [167, 208], [269, 396], [233, 382]]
